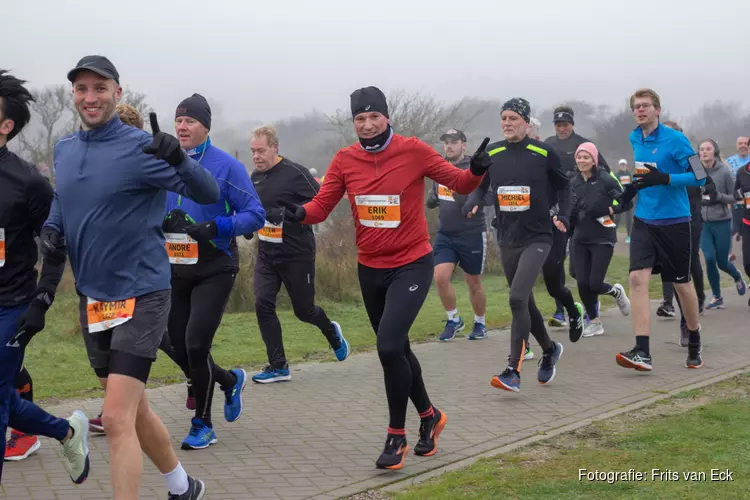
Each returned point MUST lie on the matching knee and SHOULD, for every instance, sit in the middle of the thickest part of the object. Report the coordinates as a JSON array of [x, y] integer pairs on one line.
[[390, 352], [118, 423], [304, 313], [518, 302], [264, 307], [638, 281]]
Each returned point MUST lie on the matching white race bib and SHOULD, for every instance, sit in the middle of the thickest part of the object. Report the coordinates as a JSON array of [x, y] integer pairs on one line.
[[444, 193], [606, 221], [272, 233], [181, 248], [641, 168], [514, 198], [2, 247], [382, 211], [102, 316]]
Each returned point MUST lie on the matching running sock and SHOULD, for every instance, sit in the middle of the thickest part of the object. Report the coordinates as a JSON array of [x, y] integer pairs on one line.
[[480, 320], [177, 480], [427, 415], [452, 315], [396, 432], [694, 336], [641, 342]]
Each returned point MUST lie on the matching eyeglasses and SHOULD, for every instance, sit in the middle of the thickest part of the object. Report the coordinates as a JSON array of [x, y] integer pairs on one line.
[[645, 105]]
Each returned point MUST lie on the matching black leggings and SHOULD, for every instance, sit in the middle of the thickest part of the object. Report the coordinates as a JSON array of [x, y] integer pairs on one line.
[[553, 272], [591, 264], [696, 269], [745, 232], [299, 280], [197, 308], [522, 266], [393, 298]]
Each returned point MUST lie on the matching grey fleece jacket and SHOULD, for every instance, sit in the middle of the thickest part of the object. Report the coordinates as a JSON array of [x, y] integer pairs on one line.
[[719, 209]]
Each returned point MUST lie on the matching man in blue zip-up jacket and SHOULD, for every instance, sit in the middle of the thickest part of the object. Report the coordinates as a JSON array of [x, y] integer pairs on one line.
[[112, 183], [202, 278], [660, 241]]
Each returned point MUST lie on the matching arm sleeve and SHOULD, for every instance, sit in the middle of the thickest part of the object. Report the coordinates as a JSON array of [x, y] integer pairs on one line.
[[737, 187], [54, 219], [441, 170], [41, 197], [189, 179], [481, 194], [305, 186], [243, 201], [726, 193], [682, 152], [560, 182], [320, 207]]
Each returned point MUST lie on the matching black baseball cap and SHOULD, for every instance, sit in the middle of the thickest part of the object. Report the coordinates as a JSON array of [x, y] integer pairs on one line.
[[99, 65], [453, 134]]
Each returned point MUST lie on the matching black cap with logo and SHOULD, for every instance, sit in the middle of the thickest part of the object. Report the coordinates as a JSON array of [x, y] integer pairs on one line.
[[453, 135], [97, 64]]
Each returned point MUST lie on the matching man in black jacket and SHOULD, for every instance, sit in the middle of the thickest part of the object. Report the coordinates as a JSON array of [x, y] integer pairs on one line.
[[461, 240], [286, 254], [25, 200], [565, 141]]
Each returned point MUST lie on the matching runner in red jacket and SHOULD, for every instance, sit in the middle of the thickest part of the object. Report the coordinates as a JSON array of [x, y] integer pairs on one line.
[[384, 178]]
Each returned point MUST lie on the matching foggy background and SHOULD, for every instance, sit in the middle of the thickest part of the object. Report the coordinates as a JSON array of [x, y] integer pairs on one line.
[[445, 63]]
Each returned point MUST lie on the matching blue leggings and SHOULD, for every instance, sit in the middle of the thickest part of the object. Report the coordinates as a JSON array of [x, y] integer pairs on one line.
[[20, 414], [716, 241]]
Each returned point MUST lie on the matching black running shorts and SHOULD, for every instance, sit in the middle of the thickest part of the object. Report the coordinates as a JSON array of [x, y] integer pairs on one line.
[[663, 249]]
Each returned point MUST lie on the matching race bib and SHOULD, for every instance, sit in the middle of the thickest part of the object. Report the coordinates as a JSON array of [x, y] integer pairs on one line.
[[514, 198], [641, 168], [444, 193], [272, 233], [105, 315], [625, 180], [181, 248], [383, 211], [746, 195], [606, 221], [2, 247]]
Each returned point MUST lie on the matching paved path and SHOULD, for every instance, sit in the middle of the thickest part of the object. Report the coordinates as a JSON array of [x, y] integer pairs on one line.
[[318, 435]]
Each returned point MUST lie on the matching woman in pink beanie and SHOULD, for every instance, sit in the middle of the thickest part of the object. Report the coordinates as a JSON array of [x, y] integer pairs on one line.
[[594, 203]]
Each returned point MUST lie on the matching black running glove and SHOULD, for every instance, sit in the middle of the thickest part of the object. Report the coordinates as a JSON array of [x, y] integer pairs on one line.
[[294, 212], [31, 321], [164, 146], [203, 232], [52, 245], [654, 177], [480, 160]]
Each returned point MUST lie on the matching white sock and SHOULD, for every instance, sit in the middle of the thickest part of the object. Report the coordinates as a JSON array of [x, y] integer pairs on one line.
[[480, 320], [177, 480], [452, 315]]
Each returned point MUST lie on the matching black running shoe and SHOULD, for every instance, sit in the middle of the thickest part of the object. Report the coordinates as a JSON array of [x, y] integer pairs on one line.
[[634, 358], [665, 310], [576, 324], [694, 359], [394, 453], [196, 491], [428, 434]]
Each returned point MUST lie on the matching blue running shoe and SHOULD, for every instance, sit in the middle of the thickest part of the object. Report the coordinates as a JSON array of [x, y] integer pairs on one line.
[[271, 374], [716, 303], [233, 403], [558, 320], [451, 329], [509, 380], [479, 332], [547, 364], [200, 436], [343, 351]]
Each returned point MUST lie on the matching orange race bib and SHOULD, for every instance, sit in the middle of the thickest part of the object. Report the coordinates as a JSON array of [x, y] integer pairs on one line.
[[375, 210], [2, 247], [606, 221], [514, 198], [181, 248], [444, 193], [105, 315], [271, 233], [625, 180], [641, 168]]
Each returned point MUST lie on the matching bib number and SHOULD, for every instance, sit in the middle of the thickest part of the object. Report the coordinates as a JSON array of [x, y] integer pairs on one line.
[[103, 316], [2, 247], [382, 211], [181, 248], [625, 180], [514, 198], [272, 233], [444, 193], [641, 168], [606, 221]]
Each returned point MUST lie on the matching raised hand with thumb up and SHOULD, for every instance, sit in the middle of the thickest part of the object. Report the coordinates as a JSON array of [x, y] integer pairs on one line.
[[164, 146], [480, 160]]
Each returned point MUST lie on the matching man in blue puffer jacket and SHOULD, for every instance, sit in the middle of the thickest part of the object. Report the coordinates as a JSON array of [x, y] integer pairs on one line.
[[203, 252]]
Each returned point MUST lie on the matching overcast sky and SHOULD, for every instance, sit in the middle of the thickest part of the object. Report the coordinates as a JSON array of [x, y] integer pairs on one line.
[[269, 59]]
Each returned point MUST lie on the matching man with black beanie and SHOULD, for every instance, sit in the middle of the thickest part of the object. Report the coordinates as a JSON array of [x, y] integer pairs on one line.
[[384, 175], [529, 183], [566, 142]]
